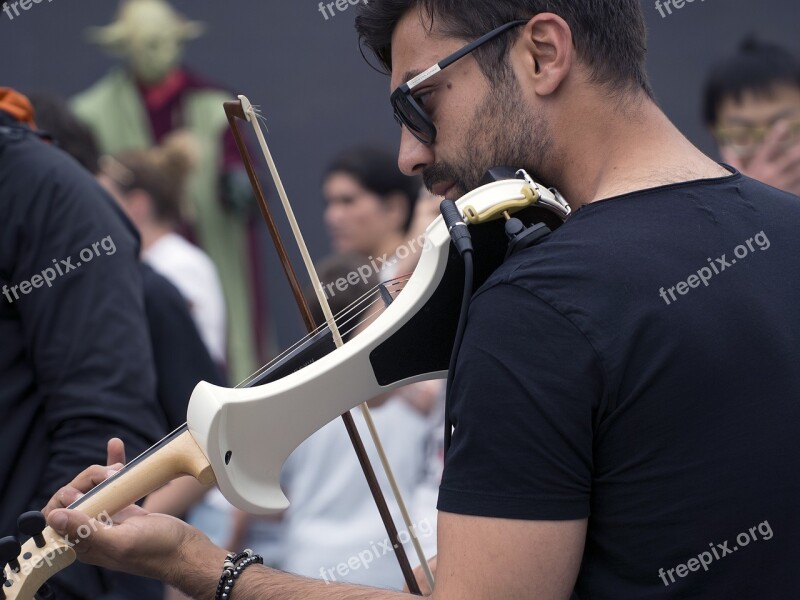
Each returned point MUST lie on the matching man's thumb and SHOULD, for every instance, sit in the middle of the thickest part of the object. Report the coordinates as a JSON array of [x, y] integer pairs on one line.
[[59, 520]]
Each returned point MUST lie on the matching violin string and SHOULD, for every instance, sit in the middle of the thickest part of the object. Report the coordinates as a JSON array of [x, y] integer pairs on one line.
[[316, 331], [296, 345], [365, 321], [352, 307], [349, 309], [345, 311]]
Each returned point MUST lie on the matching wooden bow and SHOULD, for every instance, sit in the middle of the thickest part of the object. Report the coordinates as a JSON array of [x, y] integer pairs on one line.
[[243, 110]]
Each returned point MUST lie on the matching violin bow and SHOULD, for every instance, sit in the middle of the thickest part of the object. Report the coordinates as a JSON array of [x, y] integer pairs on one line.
[[243, 110]]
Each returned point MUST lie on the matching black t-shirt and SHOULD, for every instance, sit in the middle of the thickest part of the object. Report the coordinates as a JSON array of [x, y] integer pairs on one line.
[[641, 367]]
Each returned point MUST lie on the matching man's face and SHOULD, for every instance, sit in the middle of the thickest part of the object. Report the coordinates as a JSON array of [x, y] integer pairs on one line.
[[357, 219], [479, 125], [154, 47], [743, 126]]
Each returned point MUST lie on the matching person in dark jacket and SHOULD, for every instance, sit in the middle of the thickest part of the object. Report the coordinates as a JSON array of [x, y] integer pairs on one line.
[[75, 360], [180, 357]]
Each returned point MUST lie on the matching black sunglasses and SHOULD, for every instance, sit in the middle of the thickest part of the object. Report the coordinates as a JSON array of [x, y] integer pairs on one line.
[[407, 110]]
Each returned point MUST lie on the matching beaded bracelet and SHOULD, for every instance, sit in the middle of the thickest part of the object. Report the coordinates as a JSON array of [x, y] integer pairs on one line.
[[231, 570]]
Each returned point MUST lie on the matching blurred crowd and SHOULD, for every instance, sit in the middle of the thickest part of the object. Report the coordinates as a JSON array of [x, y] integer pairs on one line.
[[145, 155]]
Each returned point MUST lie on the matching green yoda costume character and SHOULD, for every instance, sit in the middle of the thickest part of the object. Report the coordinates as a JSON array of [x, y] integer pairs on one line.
[[137, 105]]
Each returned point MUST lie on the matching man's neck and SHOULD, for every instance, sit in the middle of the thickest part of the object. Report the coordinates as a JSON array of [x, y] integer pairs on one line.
[[618, 152]]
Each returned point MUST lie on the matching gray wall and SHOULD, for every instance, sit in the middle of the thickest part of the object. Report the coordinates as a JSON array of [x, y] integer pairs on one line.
[[318, 95]]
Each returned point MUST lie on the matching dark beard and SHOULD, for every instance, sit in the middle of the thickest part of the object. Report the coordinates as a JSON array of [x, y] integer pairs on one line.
[[503, 133]]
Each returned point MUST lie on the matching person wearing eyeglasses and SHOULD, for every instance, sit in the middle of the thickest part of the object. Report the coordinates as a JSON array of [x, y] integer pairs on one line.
[[625, 400], [751, 105]]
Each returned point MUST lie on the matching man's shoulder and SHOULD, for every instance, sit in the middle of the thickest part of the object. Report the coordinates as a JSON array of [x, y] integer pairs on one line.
[[613, 244]]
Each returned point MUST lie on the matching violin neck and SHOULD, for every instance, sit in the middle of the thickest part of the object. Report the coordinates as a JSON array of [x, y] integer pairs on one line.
[[174, 456]]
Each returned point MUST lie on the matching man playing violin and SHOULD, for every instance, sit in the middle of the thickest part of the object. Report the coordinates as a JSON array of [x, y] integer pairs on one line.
[[625, 400]]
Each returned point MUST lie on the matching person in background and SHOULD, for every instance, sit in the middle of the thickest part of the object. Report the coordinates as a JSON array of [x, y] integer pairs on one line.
[[332, 518], [149, 184], [181, 358], [369, 207], [150, 95], [76, 364], [369, 212], [751, 104]]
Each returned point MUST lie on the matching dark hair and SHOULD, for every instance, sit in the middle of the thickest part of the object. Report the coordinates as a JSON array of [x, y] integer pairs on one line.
[[609, 37], [161, 171], [376, 170], [55, 118], [757, 67]]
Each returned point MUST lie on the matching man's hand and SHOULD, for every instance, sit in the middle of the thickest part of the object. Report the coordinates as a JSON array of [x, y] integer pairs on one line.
[[773, 163], [137, 542]]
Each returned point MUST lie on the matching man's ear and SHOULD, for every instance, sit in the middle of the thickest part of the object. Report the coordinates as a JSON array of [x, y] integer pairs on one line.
[[546, 51]]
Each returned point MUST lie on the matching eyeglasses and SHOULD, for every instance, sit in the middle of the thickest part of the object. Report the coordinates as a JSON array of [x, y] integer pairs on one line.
[[744, 140], [407, 110]]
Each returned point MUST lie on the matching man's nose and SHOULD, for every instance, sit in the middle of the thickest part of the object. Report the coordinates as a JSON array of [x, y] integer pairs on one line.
[[414, 156]]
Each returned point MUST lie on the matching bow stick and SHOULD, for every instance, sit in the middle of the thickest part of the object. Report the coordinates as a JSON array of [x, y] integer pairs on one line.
[[244, 110]]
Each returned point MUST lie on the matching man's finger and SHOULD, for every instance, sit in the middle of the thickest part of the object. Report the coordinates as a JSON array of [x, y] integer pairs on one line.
[[62, 498], [116, 451], [93, 476]]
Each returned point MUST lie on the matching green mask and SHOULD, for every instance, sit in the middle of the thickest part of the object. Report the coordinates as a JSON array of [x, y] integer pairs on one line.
[[150, 35]]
